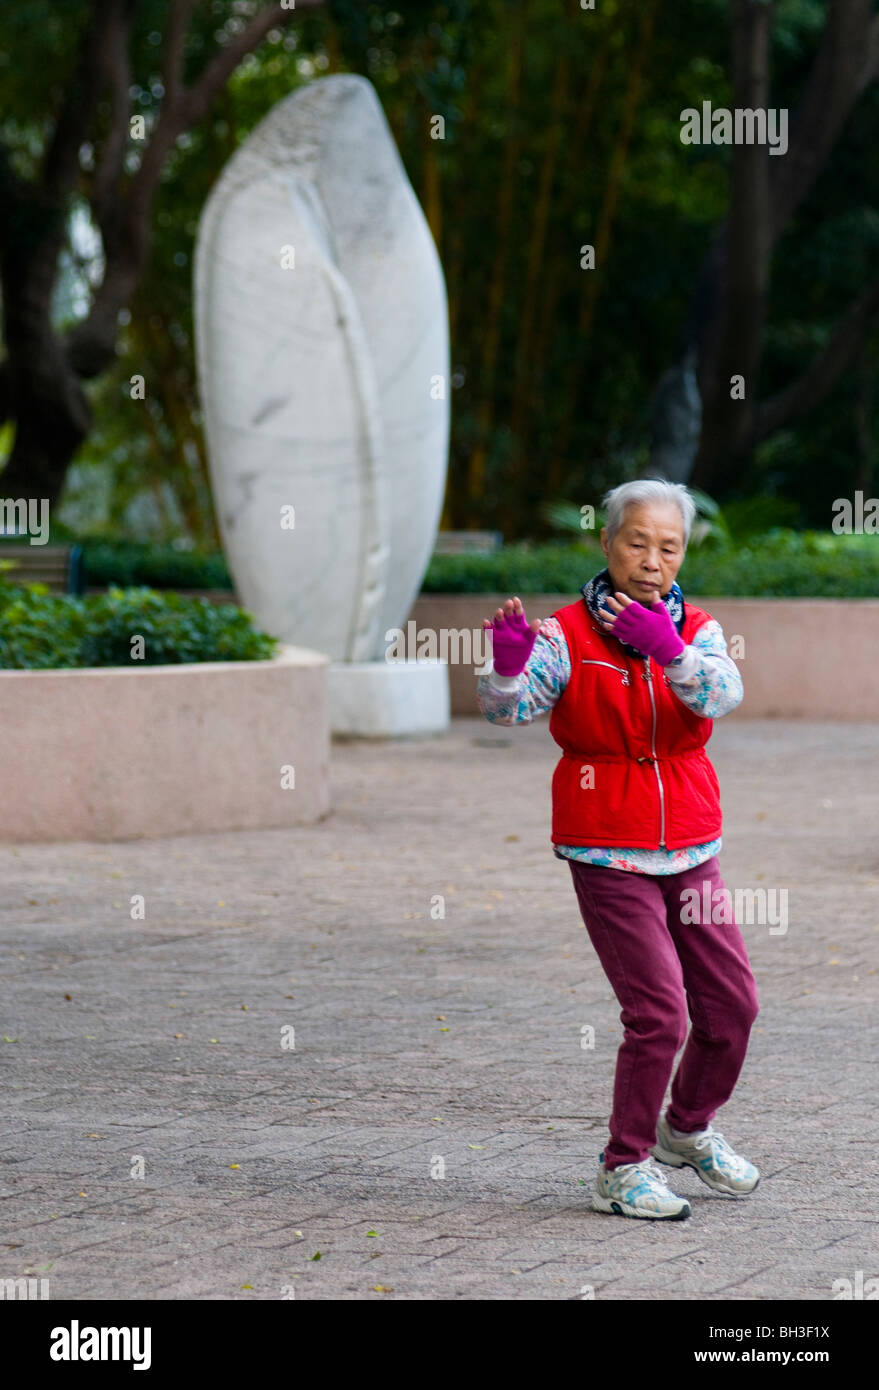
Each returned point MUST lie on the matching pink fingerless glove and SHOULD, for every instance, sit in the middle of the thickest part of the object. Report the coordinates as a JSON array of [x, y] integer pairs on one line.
[[651, 630], [512, 640]]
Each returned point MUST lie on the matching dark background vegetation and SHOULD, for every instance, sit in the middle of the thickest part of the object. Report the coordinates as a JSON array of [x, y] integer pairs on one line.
[[562, 127]]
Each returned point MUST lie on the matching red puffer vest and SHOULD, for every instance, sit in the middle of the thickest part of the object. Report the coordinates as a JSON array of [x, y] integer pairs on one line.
[[633, 769]]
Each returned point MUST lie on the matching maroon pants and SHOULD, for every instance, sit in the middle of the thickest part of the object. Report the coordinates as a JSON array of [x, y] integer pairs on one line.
[[662, 969]]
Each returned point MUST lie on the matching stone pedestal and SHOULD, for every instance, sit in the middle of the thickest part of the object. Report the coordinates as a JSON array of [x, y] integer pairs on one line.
[[381, 699]]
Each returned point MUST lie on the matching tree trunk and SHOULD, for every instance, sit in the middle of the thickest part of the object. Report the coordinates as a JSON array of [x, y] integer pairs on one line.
[[41, 376], [41, 392], [845, 64], [536, 270], [863, 422], [52, 418], [595, 278], [727, 421], [558, 272], [492, 324]]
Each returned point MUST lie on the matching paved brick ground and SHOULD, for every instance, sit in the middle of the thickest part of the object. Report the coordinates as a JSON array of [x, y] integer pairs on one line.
[[419, 1040]]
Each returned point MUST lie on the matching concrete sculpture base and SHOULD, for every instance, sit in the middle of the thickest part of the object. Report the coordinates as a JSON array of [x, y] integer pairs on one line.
[[380, 699]]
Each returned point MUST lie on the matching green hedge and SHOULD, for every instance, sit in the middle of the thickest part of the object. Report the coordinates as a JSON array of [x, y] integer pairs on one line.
[[780, 564], [137, 564], [43, 631], [127, 563]]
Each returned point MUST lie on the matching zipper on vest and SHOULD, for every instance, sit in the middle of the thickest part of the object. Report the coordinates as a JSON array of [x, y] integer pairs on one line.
[[649, 680], [586, 661]]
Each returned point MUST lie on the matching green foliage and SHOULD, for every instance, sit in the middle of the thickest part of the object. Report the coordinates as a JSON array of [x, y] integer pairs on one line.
[[535, 100], [158, 566], [787, 564], [749, 516], [43, 631], [38, 630], [781, 563], [515, 569], [567, 517], [711, 523]]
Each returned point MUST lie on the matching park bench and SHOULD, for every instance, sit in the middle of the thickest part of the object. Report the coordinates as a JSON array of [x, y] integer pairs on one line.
[[467, 542], [59, 567]]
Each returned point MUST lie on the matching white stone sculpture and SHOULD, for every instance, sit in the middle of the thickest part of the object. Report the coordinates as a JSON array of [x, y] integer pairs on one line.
[[323, 362]]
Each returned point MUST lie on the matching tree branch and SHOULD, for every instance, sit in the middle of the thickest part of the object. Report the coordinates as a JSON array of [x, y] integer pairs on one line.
[[836, 79], [189, 105], [213, 79], [823, 371], [61, 161], [5, 391], [870, 70], [90, 344], [117, 72], [172, 69], [846, 62], [747, 246]]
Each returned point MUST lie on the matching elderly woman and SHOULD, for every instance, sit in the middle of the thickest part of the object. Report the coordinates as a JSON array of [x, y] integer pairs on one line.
[[634, 677]]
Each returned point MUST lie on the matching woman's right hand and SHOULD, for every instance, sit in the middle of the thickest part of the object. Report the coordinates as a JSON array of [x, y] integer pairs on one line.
[[512, 637]]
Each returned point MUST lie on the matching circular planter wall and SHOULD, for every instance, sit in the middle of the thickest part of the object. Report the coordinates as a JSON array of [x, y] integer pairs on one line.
[[114, 753]]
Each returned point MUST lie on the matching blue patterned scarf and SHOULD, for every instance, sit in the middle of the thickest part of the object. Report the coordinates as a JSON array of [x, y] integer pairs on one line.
[[599, 589]]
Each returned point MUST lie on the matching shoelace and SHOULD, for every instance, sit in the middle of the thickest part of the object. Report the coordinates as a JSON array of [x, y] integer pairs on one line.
[[720, 1149], [651, 1174]]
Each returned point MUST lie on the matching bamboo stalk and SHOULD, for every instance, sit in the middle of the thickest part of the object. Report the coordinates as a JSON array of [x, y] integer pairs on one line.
[[612, 187], [497, 284]]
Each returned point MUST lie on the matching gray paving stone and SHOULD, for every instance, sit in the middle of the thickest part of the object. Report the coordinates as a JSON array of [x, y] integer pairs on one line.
[[328, 928]]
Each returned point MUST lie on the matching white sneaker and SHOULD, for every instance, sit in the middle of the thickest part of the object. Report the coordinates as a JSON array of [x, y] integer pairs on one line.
[[637, 1189], [709, 1155]]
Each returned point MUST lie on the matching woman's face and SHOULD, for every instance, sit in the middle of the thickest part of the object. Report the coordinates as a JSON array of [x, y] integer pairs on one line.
[[647, 551]]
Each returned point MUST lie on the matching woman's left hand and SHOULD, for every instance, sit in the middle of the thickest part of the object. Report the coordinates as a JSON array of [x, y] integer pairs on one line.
[[620, 603], [651, 629]]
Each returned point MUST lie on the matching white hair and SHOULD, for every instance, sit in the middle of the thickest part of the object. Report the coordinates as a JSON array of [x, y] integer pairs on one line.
[[647, 490]]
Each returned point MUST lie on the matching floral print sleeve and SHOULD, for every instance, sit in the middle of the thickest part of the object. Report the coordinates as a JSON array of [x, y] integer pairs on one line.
[[519, 699], [705, 677]]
